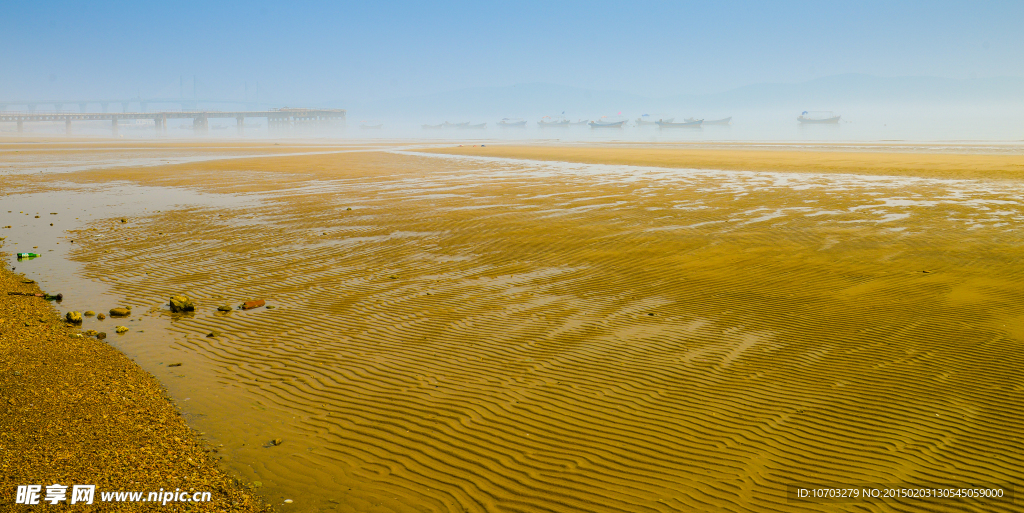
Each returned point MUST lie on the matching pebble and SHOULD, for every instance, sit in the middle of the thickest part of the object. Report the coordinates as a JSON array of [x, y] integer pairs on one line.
[[174, 365], [101, 317], [101, 335], [89, 313], [120, 312], [121, 329], [224, 308]]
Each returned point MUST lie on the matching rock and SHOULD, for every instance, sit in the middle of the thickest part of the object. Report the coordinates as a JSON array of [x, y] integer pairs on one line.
[[101, 317], [74, 317], [123, 220], [92, 333], [101, 335], [121, 329], [213, 334], [271, 307], [182, 303], [120, 312], [277, 441], [89, 313], [174, 365], [249, 305], [224, 308]]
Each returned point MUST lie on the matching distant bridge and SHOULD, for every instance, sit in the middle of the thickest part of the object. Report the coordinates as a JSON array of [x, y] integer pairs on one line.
[[276, 119], [143, 103]]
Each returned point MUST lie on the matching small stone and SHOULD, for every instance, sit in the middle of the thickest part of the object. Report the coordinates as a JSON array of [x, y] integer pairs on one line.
[[120, 312], [277, 441], [213, 334], [101, 335], [224, 308], [89, 313], [74, 317], [182, 303], [271, 307], [101, 317], [123, 220], [121, 329]]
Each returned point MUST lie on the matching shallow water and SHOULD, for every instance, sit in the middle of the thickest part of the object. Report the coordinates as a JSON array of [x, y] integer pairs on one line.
[[497, 335]]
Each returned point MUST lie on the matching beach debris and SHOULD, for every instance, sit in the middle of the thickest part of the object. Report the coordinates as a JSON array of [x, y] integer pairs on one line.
[[249, 305], [349, 208], [121, 329], [287, 501], [28, 255], [271, 307], [213, 334], [49, 297], [123, 220], [74, 317], [182, 303], [89, 313], [101, 335], [76, 335], [27, 280], [224, 308], [101, 317], [178, 364], [120, 312]]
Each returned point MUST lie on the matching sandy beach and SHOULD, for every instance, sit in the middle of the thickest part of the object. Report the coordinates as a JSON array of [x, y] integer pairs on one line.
[[539, 328]]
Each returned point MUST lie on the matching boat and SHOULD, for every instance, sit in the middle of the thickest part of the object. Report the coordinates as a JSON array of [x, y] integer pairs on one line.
[[582, 122], [432, 127], [646, 120], [686, 124], [818, 118], [454, 125], [607, 124], [480, 126], [548, 121], [512, 123], [723, 121]]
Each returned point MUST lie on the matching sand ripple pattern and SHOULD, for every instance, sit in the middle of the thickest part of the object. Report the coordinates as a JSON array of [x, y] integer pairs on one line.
[[489, 335]]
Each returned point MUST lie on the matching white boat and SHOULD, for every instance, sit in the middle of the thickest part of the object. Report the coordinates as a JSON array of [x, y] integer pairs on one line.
[[454, 125], [607, 124], [512, 123], [548, 121], [723, 121], [818, 118], [479, 126], [647, 120], [686, 124]]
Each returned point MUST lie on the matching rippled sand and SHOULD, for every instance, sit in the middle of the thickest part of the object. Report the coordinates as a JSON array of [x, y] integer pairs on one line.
[[496, 335]]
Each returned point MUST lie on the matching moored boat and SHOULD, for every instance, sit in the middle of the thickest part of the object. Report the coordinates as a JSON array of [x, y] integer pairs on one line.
[[818, 118], [607, 124], [647, 120], [686, 124], [548, 121], [478, 126], [512, 123], [454, 125], [723, 121], [582, 122]]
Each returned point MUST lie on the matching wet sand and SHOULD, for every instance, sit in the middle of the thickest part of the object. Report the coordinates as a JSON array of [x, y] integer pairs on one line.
[[928, 160], [75, 411], [506, 335]]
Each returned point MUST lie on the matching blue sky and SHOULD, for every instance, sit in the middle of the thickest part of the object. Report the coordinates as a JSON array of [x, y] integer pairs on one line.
[[361, 51]]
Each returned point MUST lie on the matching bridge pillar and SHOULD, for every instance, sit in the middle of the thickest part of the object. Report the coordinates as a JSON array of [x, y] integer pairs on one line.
[[21, 126], [82, 106], [200, 125], [241, 125], [67, 125]]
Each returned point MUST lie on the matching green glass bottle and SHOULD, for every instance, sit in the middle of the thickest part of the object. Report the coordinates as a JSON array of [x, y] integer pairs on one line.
[[27, 255]]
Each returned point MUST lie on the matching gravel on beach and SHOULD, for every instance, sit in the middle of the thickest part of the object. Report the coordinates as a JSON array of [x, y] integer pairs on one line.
[[76, 411]]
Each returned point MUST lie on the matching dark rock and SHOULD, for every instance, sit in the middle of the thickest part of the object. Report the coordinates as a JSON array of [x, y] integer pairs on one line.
[[120, 312], [101, 335], [182, 303], [224, 308], [74, 317]]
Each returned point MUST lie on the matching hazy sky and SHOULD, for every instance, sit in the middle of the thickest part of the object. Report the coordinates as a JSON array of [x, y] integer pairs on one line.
[[356, 51]]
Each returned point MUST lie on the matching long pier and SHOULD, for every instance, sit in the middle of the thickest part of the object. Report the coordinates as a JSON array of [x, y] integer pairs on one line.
[[276, 118]]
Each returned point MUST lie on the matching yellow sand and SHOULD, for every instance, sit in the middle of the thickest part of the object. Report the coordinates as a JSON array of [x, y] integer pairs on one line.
[[480, 336]]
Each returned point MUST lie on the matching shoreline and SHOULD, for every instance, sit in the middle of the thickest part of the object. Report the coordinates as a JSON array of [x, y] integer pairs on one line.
[[79, 412], [963, 166]]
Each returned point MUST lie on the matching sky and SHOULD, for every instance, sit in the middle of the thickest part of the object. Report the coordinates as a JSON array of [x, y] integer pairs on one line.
[[316, 52]]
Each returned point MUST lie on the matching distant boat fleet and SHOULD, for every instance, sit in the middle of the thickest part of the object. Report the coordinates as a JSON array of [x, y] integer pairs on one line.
[[806, 117]]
